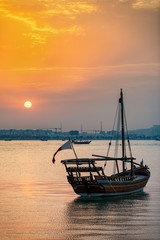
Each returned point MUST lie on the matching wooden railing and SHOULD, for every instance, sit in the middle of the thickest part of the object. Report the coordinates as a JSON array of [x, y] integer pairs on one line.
[[115, 179], [84, 169]]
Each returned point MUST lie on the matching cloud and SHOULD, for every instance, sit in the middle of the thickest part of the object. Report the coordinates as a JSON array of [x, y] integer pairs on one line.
[[71, 8], [43, 10], [152, 4], [119, 67], [141, 3], [34, 26]]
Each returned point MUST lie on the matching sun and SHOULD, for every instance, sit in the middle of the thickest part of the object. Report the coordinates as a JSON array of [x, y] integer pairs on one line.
[[28, 104]]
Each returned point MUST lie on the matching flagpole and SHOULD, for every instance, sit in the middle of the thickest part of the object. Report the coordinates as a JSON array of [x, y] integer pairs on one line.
[[73, 149], [77, 172]]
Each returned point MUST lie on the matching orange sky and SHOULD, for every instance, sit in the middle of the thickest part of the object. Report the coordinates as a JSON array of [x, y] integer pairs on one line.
[[70, 58]]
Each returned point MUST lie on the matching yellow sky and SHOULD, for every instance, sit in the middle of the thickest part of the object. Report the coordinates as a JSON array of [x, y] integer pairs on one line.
[[55, 52]]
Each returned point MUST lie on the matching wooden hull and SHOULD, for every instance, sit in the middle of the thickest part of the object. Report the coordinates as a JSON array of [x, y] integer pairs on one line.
[[106, 187], [106, 194]]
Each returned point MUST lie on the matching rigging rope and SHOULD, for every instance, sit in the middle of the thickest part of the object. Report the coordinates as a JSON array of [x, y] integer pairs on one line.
[[111, 135], [129, 146], [117, 141]]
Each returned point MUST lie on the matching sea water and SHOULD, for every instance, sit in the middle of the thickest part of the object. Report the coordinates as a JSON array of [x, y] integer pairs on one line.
[[37, 202]]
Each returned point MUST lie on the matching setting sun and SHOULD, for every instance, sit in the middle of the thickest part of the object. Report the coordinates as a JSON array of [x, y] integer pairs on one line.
[[28, 104]]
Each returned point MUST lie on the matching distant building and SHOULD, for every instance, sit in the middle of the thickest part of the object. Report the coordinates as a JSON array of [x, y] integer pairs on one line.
[[74, 133]]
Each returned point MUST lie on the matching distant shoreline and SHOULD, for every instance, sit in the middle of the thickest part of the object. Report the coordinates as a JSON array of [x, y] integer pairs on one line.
[[152, 133], [73, 138]]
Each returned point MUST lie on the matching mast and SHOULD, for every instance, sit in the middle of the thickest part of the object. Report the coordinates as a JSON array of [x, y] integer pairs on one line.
[[122, 128]]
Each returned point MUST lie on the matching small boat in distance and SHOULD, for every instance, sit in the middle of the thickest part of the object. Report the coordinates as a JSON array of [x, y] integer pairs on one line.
[[81, 141], [89, 179]]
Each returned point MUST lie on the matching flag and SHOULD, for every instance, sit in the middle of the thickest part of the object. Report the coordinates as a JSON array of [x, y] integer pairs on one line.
[[67, 145]]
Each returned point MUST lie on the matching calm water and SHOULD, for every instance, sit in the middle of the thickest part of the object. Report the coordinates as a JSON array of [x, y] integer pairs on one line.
[[37, 203]]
